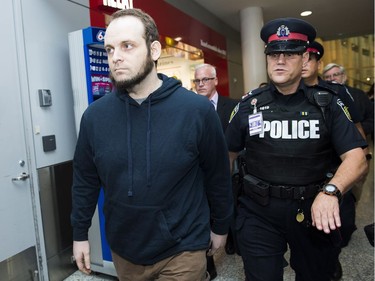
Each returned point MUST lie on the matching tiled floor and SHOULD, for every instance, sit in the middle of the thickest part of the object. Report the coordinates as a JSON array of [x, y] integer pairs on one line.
[[357, 258]]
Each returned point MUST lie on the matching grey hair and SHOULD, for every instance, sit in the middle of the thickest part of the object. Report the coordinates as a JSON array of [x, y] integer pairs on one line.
[[329, 66], [212, 68]]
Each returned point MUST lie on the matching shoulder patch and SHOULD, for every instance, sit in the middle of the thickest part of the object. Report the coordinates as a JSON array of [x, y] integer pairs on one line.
[[345, 109], [234, 112]]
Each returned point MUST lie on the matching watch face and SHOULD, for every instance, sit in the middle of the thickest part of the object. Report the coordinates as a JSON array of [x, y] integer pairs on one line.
[[330, 188]]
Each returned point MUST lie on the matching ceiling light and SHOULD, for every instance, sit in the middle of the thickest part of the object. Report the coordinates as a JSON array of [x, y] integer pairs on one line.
[[306, 13]]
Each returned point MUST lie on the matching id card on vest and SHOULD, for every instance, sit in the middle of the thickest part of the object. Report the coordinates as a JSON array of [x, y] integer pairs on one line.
[[255, 124]]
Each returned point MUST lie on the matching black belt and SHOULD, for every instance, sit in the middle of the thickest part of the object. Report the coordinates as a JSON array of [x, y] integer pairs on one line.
[[261, 190], [294, 192]]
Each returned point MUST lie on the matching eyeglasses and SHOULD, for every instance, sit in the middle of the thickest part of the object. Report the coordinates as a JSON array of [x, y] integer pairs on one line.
[[203, 80], [336, 74], [287, 55]]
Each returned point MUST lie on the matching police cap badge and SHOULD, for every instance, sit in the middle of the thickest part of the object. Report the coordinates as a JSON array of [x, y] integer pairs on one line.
[[287, 35]]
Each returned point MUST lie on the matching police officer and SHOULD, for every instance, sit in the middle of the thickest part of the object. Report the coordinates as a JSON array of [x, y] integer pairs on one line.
[[289, 132], [311, 77]]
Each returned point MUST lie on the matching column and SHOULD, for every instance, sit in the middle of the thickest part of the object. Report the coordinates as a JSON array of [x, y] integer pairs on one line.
[[253, 58]]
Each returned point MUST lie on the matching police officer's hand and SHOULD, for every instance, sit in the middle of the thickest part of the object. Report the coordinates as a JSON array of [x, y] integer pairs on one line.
[[81, 252], [325, 212], [217, 241]]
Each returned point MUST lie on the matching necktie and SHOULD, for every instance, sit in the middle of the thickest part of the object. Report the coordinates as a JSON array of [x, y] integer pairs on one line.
[[213, 103]]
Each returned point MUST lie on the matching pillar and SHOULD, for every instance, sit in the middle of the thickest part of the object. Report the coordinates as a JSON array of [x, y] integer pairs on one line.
[[253, 58]]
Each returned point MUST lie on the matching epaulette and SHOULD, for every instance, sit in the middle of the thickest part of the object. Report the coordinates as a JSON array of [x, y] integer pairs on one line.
[[332, 87], [255, 92]]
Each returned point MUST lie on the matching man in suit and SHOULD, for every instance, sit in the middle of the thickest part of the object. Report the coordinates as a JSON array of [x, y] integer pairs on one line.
[[205, 81], [336, 73]]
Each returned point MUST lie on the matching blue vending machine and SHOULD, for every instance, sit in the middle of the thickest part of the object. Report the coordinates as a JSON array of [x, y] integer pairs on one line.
[[90, 81]]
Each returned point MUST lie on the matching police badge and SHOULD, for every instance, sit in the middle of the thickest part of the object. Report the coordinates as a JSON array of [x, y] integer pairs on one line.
[[283, 31]]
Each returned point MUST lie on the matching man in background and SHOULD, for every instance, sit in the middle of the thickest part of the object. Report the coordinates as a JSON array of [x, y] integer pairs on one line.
[[336, 73], [310, 75], [205, 81]]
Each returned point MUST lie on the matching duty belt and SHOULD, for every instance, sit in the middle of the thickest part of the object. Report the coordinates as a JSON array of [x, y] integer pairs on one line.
[[294, 192], [257, 188]]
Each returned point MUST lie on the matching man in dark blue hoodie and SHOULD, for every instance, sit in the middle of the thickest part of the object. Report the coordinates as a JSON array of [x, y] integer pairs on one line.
[[159, 153]]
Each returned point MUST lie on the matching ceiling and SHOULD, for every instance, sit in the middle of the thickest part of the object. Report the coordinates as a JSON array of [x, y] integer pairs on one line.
[[333, 19]]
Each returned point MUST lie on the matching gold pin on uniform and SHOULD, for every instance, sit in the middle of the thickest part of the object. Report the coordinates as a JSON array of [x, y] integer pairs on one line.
[[300, 216]]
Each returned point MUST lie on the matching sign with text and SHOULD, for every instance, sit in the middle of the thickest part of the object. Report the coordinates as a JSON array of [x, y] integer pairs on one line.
[[118, 4]]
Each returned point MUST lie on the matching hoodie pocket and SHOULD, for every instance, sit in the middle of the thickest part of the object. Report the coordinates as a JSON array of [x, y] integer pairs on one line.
[[138, 233]]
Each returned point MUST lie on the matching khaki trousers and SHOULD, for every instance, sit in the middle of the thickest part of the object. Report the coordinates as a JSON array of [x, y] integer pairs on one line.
[[186, 266]]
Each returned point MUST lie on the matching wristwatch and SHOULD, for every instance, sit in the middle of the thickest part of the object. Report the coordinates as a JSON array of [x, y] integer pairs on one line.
[[331, 189]]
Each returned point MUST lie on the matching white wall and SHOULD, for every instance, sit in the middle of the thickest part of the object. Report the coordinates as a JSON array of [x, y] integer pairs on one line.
[[46, 27]]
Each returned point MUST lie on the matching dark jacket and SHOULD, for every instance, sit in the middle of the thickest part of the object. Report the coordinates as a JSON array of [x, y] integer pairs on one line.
[[225, 107], [364, 107], [158, 162]]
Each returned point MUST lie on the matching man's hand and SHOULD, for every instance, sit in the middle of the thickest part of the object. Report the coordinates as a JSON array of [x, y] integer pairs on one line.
[[325, 212], [81, 252], [217, 241]]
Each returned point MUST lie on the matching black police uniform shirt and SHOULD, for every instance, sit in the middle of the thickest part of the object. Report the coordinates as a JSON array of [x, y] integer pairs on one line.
[[297, 142], [350, 107]]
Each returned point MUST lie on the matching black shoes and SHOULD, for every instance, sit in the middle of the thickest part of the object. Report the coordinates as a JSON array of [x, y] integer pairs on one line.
[[211, 268], [338, 271]]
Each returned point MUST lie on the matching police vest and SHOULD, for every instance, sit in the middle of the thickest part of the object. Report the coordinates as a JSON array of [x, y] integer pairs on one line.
[[294, 147]]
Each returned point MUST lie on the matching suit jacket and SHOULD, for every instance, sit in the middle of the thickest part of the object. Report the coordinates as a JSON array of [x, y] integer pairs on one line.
[[224, 109]]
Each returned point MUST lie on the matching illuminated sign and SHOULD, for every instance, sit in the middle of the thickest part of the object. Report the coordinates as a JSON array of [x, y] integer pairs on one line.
[[213, 48], [119, 4]]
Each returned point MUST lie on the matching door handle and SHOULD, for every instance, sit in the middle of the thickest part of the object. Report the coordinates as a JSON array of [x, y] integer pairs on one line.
[[21, 177]]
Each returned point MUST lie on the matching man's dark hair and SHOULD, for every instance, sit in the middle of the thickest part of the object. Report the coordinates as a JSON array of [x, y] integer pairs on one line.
[[151, 30]]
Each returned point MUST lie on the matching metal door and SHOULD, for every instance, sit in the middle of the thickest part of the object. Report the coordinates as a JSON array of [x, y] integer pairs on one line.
[[18, 235]]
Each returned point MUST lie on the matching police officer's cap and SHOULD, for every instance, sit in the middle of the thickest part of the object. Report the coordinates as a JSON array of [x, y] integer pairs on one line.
[[287, 35], [317, 49]]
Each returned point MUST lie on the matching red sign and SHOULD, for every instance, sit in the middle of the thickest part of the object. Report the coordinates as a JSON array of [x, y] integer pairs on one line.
[[174, 23]]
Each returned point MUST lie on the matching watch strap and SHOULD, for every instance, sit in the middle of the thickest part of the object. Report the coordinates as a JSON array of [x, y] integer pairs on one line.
[[336, 193]]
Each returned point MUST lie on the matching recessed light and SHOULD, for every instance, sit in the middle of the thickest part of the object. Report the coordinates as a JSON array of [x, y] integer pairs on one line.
[[306, 13]]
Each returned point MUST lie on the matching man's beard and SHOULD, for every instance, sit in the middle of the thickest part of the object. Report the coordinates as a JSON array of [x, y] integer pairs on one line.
[[127, 84]]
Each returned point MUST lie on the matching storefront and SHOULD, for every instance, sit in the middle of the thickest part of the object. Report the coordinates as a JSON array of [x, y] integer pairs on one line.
[[186, 41]]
